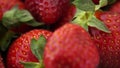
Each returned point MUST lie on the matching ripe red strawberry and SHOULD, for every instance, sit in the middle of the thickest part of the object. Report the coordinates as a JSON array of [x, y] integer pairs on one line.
[[47, 11], [1, 62], [108, 43], [67, 17], [115, 7], [70, 14], [70, 46], [20, 48], [8, 4]]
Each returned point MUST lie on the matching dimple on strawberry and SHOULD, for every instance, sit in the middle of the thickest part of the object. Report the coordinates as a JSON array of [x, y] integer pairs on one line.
[[20, 50], [70, 46]]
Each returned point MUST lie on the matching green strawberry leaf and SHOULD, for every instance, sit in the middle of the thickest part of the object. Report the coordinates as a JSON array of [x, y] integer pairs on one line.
[[23, 16], [5, 37], [81, 19], [94, 22], [37, 46], [31, 65], [34, 23], [102, 3], [16, 17], [86, 19], [9, 18], [85, 5]]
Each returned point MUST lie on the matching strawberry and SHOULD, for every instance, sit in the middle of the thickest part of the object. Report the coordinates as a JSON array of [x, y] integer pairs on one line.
[[8, 4], [115, 7], [70, 14], [20, 48], [70, 46], [47, 11], [1, 62], [67, 17], [1, 13], [108, 43]]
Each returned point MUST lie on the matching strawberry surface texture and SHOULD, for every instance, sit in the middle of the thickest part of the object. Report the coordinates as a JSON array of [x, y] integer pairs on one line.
[[70, 47]]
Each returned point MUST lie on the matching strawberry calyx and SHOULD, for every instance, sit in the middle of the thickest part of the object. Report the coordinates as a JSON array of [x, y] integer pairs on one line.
[[85, 5], [37, 48], [102, 3], [85, 15], [16, 17]]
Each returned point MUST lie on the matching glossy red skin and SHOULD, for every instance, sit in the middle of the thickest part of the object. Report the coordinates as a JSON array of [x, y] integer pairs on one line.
[[47, 11], [70, 46], [108, 43], [1, 62], [20, 48], [115, 7]]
